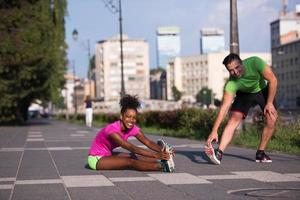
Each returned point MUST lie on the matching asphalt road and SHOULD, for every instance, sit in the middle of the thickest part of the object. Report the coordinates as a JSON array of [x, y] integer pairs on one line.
[[47, 160]]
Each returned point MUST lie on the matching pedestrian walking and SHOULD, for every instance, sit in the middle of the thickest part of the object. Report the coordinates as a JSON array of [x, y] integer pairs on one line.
[[88, 111]]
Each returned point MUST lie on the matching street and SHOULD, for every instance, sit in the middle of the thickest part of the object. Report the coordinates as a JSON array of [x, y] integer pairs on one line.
[[47, 160]]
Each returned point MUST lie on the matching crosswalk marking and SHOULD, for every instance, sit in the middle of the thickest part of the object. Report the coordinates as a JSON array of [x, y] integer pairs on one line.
[[294, 174], [165, 178], [6, 179], [35, 139], [178, 178], [267, 176], [82, 131], [131, 179], [34, 132], [223, 177], [4, 149], [77, 135], [4, 183], [35, 136], [6, 187], [86, 181], [37, 182], [59, 148]]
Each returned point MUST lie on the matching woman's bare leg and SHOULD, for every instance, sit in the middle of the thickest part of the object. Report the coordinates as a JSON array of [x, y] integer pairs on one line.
[[135, 156], [123, 162]]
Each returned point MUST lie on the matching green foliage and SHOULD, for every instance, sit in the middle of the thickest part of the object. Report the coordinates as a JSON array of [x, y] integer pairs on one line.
[[204, 96], [176, 93], [32, 55], [190, 123], [286, 137]]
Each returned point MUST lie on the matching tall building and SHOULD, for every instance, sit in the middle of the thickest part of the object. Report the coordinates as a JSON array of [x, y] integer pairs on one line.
[[158, 85], [212, 40], [285, 47], [168, 45], [135, 68], [192, 73]]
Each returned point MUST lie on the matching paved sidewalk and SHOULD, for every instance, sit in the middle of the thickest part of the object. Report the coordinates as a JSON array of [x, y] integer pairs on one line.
[[47, 160]]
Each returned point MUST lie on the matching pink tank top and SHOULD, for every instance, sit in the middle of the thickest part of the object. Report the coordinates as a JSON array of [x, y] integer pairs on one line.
[[103, 146]]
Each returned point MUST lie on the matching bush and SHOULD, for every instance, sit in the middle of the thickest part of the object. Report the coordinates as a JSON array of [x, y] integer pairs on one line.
[[190, 122], [286, 137]]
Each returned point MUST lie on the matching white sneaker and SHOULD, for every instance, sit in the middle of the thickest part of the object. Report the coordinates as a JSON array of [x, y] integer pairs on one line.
[[214, 155], [169, 149]]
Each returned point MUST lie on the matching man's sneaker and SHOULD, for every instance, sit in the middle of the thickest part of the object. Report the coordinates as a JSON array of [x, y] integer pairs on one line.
[[262, 157], [169, 148], [215, 155], [166, 166]]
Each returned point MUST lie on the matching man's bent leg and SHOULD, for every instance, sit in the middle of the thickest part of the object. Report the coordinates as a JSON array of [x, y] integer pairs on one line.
[[234, 121], [267, 132]]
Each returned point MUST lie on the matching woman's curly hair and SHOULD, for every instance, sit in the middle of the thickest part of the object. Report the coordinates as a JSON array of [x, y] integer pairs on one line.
[[129, 102]]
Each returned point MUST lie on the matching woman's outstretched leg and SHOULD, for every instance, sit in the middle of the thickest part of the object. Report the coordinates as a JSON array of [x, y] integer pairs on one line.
[[121, 162]]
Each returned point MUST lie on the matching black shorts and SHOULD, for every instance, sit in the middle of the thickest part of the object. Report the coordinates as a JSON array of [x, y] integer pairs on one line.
[[244, 101]]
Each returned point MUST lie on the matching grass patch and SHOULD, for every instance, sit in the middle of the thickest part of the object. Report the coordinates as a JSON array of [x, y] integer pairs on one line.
[[285, 139]]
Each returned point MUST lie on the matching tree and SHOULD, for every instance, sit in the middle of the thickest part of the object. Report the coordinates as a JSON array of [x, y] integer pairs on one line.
[[32, 55], [176, 93], [204, 96]]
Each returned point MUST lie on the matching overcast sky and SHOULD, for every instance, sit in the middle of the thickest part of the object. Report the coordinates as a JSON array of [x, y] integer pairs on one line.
[[95, 22]]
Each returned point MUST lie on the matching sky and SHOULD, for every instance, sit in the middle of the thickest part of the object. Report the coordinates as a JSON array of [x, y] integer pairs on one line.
[[94, 22]]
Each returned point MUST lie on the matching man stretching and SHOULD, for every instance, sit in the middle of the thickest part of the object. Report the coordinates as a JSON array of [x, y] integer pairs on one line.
[[251, 83]]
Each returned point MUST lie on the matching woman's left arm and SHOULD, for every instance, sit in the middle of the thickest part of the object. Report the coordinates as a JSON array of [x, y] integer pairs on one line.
[[151, 145]]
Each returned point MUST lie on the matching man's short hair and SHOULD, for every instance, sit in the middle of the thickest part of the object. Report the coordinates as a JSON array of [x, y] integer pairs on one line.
[[228, 59]]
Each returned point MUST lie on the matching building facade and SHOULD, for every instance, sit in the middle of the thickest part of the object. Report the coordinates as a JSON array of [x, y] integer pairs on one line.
[[168, 45], [135, 68], [158, 85], [285, 47], [212, 40]]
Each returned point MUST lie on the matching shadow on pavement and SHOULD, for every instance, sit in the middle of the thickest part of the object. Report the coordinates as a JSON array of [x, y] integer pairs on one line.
[[38, 122], [240, 157], [194, 156]]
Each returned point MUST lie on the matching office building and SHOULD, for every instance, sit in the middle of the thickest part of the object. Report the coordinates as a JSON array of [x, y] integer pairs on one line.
[[168, 45], [158, 85], [212, 40]]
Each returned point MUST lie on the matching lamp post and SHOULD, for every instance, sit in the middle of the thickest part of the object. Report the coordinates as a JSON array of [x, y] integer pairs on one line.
[[75, 90], [113, 9], [75, 37], [234, 32]]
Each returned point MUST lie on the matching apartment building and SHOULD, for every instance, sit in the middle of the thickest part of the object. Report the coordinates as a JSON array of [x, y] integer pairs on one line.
[[285, 47], [135, 68]]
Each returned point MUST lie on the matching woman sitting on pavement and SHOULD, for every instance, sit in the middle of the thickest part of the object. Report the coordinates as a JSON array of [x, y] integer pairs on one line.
[[117, 133]]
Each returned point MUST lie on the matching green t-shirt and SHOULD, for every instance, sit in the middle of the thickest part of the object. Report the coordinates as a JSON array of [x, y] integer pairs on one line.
[[251, 81]]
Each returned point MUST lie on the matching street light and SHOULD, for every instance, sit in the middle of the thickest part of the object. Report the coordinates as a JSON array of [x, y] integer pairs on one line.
[[75, 34], [75, 37], [234, 32], [113, 9], [75, 90]]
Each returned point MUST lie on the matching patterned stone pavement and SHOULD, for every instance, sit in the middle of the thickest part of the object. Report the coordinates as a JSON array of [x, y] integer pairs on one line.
[[47, 160]]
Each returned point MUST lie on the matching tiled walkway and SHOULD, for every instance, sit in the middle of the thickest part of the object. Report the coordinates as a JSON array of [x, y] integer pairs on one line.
[[48, 161]]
